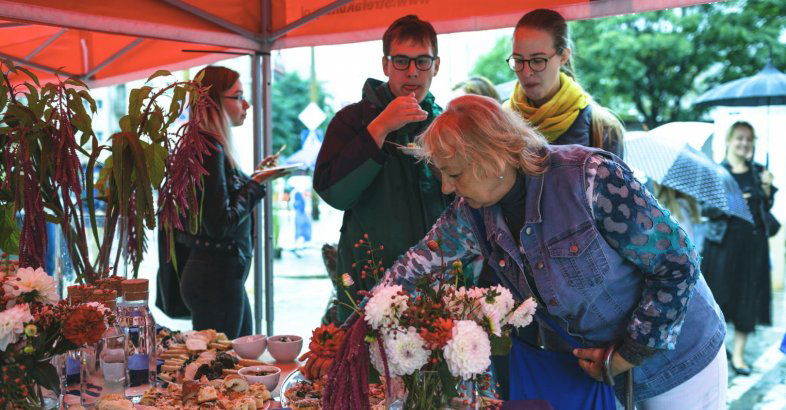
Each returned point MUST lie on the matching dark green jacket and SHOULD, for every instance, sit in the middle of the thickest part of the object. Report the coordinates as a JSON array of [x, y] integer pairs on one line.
[[383, 192]]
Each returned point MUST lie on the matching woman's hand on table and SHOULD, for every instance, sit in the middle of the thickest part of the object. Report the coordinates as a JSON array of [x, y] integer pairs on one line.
[[591, 360]]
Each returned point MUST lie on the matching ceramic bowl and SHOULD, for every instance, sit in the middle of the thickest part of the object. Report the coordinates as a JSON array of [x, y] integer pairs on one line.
[[250, 347], [285, 348], [270, 378]]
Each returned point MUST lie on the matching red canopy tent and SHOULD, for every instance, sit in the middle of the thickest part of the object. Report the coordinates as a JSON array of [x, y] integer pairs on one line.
[[112, 41]]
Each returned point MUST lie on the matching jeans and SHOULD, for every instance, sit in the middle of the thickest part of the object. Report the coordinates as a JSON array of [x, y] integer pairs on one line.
[[213, 288]]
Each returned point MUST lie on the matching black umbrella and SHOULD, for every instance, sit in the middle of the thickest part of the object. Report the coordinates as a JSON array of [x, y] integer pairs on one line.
[[767, 87]]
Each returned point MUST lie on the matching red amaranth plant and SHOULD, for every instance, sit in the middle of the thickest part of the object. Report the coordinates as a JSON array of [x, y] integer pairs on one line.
[[48, 153]]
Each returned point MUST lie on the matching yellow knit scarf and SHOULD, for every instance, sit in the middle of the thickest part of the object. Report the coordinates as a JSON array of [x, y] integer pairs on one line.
[[553, 118]]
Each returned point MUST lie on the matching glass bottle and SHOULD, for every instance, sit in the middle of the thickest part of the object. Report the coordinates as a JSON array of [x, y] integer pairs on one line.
[[104, 363], [140, 340]]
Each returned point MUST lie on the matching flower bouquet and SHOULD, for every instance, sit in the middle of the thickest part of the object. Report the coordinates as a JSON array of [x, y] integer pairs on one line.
[[438, 338], [35, 326]]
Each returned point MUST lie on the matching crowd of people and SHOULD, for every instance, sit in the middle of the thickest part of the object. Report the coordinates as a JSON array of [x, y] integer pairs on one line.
[[531, 192]]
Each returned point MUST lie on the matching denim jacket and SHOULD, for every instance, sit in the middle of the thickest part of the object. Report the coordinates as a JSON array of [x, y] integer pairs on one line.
[[598, 292]]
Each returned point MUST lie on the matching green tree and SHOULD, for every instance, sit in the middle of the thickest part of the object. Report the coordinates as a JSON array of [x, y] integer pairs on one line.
[[493, 66], [290, 97], [652, 66]]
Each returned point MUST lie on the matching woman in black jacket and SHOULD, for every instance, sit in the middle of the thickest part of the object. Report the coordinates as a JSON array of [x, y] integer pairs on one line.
[[213, 278], [736, 261]]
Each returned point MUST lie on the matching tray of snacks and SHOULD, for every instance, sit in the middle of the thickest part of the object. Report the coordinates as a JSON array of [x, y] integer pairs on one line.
[[231, 392], [191, 356]]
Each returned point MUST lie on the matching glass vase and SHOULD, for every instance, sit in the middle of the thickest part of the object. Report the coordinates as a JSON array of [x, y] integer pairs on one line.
[[425, 391], [468, 396]]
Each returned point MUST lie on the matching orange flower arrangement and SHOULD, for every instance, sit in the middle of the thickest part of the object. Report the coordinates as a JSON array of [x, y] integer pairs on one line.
[[325, 341], [84, 326], [436, 339]]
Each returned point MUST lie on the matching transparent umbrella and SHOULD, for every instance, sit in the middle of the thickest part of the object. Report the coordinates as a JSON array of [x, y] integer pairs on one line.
[[674, 163]]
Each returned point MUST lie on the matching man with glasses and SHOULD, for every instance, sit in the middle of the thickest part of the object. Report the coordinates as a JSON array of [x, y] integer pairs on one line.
[[388, 197]]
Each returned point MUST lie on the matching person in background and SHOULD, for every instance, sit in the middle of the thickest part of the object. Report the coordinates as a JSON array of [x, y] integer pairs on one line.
[[384, 192], [547, 93], [478, 85], [684, 209], [573, 228], [736, 257], [220, 253]]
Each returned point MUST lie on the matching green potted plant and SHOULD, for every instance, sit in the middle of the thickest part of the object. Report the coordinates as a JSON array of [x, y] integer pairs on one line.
[[48, 154]]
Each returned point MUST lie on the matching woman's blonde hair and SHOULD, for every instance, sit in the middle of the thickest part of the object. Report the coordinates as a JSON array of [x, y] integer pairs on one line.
[[219, 79], [734, 127], [476, 128]]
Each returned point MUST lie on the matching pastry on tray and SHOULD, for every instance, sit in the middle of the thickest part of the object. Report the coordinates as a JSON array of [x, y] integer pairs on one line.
[[234, 392]]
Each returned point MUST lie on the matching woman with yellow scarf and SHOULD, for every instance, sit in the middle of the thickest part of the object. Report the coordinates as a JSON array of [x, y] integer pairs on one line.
[[547, 94]]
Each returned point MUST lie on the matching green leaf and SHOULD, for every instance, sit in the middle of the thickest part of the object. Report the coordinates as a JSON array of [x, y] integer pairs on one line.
[[156, 160], [89, 184], [119, 170], [3, 97], [46, 376], [30, 74], [125, 123], [9, 230], [448, 380], [176, 106], [500, 346], [76, 82], [32, 94], [158, 73], [144, 198], [87, 97], [199, 76]]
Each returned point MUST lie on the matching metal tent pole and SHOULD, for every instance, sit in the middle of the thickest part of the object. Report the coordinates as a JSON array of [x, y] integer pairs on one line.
[[267, 136], [256, 103]]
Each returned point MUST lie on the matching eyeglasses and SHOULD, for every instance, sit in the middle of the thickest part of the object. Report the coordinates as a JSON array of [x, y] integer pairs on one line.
[[238, 97], [536, 64], [422, 63]]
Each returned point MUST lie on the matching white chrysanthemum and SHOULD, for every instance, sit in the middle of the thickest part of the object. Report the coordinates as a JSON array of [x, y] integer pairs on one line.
[[385, 307], [468, 352], [497, 298], [522, 316], [406, 352], [12, 324], [32, 280]]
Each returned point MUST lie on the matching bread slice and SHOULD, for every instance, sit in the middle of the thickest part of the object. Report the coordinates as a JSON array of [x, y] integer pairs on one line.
[[206, 394]]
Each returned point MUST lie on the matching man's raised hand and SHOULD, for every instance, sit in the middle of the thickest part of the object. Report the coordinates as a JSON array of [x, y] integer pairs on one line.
[[400, 112]]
